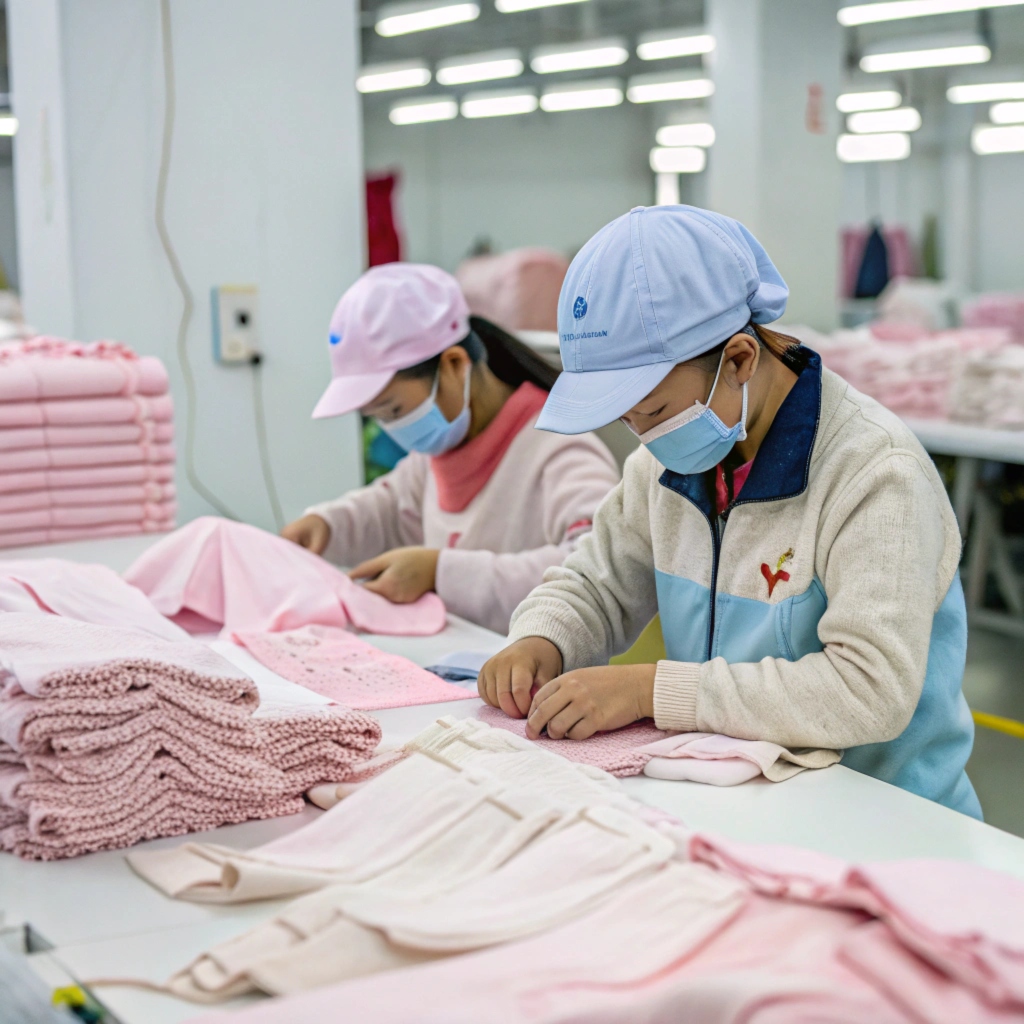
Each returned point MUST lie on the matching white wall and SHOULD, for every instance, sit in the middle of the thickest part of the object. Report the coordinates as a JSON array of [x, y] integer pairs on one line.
[[535, 179], [265, 188]]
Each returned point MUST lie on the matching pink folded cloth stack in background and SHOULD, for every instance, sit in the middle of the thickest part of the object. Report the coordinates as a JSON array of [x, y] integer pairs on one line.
[[86, 442], [996, 310], [110, 735]]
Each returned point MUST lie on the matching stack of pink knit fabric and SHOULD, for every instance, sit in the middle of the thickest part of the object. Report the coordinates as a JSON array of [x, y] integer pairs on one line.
[[86, 438], [996, 309], [109, 736]]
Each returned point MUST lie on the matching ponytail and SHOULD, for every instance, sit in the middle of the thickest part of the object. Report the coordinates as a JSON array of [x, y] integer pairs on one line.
[[510, 360]]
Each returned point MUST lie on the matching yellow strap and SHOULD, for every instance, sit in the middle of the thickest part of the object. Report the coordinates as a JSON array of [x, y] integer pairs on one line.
[[1010, 726]]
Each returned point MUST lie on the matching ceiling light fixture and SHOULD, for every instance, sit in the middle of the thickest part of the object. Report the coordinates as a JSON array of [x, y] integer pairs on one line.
[[666, 189], [927, 52], [606, 92], [696, 134], [668, 85], [1006, 113], [678, 159], [897, 10], [598, 53], [985, 92], [678, 43], [401, 19], [880, 99], [872, 122], [515, 6], [8, 124], [409, 74], [498, 103], [859, 149], [437, 108], [479, 67], [987, 139]]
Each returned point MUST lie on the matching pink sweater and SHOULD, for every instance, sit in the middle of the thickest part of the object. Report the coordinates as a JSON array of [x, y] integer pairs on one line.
[[538, 501]]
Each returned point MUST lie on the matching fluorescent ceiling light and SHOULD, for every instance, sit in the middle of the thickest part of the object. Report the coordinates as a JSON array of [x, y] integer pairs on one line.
[[583, 95], [661, 45], [8, 124], [897, 10], [858, 149], [670, 85], [514, 6], [985, 92], [678, 159], [880, 99], [1007, 113], [400, 19], [599, 53], [927, 52], [479, 67], [498, 103], [868, 122], [408, 74], [696, 134], [987, 139], [437, 108]]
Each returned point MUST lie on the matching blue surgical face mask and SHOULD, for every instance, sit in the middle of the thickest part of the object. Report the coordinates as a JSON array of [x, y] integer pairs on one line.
[[425, 429], [695, 440]]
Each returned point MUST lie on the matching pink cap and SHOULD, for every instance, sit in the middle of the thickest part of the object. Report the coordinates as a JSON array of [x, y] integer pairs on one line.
[[395, 316]]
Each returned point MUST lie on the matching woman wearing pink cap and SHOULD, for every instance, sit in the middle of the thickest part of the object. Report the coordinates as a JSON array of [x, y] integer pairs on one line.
[[483, 504]]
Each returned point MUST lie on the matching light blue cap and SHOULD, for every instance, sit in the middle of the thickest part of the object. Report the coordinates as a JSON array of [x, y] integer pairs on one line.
[[655, 287]]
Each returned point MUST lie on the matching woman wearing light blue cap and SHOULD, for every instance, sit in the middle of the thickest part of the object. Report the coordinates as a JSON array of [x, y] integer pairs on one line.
[[794, 536]]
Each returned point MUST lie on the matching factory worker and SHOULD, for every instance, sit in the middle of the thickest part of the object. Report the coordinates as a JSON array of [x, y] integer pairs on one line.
[[793, 534], [484, 503]]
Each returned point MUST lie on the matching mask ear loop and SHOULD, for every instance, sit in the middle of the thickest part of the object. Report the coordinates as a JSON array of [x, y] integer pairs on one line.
[[743, 413]]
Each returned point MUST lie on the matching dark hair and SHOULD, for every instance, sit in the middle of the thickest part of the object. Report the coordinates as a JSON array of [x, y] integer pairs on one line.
[[780, 345], [509, 359]]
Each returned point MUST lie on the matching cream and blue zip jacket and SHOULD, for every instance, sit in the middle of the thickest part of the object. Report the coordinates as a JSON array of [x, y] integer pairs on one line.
[[823, 608]]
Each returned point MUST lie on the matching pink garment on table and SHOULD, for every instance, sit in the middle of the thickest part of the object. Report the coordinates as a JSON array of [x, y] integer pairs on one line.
[[243, 578], [62, 497], [145, 432], [336, 664], [517, 290], [87, 455], [46, 368], [996, 310], [619, 752], [88, 411], [61, 535], [87, 515], [86, 593], [139, 472]]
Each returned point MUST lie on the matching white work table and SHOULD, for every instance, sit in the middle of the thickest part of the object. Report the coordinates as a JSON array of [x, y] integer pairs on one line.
[[103, 921]]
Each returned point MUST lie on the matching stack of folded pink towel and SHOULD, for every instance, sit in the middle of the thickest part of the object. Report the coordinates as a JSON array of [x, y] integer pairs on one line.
[[996, 309], [109, 736], [86, 438]]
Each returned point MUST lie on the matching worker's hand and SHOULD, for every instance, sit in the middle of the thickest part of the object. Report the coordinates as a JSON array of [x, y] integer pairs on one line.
[[401, 575], [310, 532], [508, 679], [590, 700]]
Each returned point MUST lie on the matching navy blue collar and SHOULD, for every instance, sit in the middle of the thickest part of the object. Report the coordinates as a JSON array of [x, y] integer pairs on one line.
[[783, 462]]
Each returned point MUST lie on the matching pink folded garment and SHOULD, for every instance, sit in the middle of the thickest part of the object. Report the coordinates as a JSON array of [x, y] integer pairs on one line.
[[87, 515], [243, 578], [45, 368], [618, 752], [87, 411], [336, 664], [63, 497], [87, 593], [87, 455], [60, 535], [138, 472], [144, 432]]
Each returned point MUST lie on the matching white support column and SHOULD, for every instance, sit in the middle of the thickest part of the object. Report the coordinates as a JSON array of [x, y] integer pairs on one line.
[[777, 69]]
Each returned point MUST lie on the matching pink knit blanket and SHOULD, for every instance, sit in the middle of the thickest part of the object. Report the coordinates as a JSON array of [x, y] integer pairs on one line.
[[23, 459], [242, 578], [62, 534], [89, 411], [137, 472], [143, 493], [146, 431], [336, 664]]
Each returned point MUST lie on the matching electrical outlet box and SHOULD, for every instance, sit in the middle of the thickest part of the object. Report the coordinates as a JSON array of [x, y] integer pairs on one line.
[[235, 323]]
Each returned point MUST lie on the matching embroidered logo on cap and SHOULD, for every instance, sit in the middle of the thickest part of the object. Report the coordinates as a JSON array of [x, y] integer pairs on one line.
[[579, 307], [780, 574], [335, 339]]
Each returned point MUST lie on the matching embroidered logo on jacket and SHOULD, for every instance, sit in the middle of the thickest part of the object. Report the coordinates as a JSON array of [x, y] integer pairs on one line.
[[780, 574]]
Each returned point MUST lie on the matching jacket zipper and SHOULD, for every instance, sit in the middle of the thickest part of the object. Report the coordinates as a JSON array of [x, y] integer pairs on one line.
[[717, 529]]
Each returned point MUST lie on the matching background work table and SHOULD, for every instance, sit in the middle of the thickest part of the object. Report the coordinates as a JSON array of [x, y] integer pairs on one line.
[[101, 920]]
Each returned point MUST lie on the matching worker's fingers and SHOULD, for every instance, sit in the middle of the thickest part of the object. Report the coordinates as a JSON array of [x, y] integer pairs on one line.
[[542, 694], [559, 725], [583, 729], [486, 684], [316, 539], [524, 671], [370, 568], [556, 700]]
